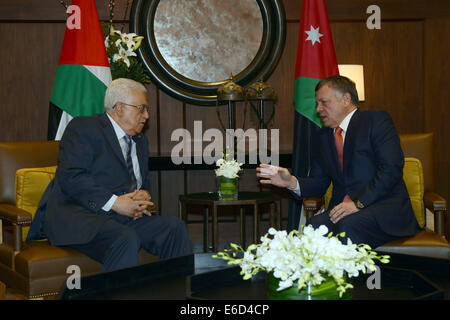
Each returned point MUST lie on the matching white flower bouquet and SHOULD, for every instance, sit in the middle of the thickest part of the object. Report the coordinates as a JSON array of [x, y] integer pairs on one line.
[[227, 168], [121, 49], [124, 43], [307, 258]]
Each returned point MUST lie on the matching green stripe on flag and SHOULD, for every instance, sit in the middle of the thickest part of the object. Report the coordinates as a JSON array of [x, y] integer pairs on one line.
[[77, 91], [305, 98]]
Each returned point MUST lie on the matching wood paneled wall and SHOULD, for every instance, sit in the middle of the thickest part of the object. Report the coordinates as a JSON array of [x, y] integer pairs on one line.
[[405, 63]]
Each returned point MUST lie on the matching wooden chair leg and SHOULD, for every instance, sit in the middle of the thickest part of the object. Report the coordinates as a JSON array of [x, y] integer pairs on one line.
[[215, 229], [206, 229], [242, 218], [2, 291], [256, 224]]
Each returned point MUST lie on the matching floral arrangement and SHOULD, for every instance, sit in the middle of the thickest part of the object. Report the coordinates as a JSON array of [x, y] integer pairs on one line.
[[121, 49], [306, 258], [227, 168]]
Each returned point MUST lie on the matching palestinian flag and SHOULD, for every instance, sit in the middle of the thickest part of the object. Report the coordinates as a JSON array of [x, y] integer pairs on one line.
[[83, 72], [316, 59]]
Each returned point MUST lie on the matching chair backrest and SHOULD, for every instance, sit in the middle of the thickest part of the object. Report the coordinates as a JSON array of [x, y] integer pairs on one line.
[[30, 186], [420, 146], [18, 155], [413, 177]]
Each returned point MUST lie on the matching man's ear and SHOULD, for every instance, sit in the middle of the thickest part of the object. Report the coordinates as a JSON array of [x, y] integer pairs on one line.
[[347, 98], [118, 108]]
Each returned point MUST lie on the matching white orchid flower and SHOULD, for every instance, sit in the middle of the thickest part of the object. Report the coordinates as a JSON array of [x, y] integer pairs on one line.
[[228, 168], [123, 55], [117, 43], [116, 57], [127, 38], [301, 258]]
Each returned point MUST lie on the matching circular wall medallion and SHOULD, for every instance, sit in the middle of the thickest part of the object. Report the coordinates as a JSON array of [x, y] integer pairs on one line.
[[192, 47]]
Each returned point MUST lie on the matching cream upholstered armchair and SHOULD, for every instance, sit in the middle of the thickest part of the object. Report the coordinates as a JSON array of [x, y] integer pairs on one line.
[[33, 269], [418, 174]]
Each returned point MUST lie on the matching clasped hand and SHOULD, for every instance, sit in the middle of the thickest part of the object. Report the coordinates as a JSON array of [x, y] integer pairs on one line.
[[134, 204]]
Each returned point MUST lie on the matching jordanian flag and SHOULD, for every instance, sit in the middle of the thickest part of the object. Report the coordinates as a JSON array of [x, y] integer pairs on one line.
[[83, 70], [316, 60]]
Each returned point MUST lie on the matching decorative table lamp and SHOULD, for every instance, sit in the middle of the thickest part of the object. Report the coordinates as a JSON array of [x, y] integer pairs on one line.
[[230, 92], [261, 92]]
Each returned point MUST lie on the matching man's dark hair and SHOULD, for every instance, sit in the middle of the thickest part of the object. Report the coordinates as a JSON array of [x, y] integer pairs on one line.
[[342, 85]]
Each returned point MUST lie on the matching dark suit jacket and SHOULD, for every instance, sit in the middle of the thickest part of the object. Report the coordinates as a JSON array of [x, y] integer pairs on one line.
[[373, 171], [91, 168]]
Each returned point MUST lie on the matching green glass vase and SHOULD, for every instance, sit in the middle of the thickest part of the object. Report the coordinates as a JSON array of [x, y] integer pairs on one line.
[[325, 291], [228, 188]]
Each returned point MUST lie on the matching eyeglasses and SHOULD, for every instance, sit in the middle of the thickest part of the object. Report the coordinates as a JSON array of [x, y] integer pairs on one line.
[[141, 107]]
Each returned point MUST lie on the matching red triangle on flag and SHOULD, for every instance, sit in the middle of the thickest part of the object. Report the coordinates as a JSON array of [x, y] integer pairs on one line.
[[316, 57], [84, 45]]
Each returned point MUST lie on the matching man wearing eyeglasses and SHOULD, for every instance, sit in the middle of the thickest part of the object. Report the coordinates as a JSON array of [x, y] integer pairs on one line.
[[98, 202]]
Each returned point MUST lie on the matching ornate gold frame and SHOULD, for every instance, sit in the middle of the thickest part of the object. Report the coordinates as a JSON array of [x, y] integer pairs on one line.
[[204, 93]]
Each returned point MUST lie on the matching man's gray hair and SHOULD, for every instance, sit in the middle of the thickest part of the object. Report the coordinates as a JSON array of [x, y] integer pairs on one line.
[[342, 85], [119, 91]]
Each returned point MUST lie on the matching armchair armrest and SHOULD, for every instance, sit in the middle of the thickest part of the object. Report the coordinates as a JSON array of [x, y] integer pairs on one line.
[[14, 215], [434, 202], [17, 217], [311, 206], [438, 206]]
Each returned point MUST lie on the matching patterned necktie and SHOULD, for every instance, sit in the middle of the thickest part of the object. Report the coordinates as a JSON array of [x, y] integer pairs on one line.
[[133, 187], [339, 142]]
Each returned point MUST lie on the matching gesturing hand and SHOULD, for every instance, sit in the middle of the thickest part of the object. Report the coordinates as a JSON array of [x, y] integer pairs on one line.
[[278, 176], [128, 206], [342, 210]]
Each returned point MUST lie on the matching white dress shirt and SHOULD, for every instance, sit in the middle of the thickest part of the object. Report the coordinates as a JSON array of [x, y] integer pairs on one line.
[[123, 145], [344, 126]]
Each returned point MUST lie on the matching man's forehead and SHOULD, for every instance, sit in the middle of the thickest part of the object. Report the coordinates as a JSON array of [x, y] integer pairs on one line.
[[323, 92], [327, 92], [138, 95]]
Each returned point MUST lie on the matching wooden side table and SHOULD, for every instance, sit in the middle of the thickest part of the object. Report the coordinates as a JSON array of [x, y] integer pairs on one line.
[[211, 202]]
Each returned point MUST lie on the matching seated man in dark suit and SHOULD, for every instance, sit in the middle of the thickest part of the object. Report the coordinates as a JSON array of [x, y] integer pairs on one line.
[[98, 202], [360, 153]]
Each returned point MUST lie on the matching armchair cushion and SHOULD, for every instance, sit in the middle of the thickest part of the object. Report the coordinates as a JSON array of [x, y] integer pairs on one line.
[[30, 186], [41, 269], [424, 243], [413, 177]]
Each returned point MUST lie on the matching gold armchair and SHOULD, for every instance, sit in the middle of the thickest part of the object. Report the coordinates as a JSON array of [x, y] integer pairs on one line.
[[33, 269], [418, 150]]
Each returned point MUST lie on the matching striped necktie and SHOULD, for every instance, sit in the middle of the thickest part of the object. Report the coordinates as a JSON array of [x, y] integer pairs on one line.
[[133, 187]]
